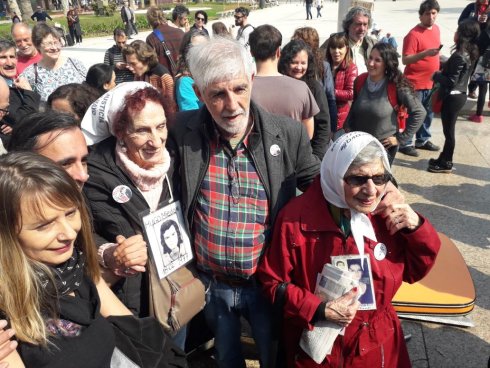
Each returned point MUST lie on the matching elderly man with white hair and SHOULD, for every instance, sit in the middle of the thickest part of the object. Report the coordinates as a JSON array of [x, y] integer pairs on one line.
[[239, 166]]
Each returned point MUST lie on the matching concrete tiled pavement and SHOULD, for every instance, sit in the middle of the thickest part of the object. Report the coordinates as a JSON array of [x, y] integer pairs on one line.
[[458, 204]]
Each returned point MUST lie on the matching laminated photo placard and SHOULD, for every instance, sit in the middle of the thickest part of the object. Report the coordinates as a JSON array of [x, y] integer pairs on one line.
[[360, 268], [169, 243]]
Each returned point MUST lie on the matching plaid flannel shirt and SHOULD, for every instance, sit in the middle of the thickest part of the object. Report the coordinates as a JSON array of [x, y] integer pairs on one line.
[[230, 233]]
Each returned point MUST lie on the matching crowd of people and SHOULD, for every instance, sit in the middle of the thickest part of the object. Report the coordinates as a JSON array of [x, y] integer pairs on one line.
[[196, 138]]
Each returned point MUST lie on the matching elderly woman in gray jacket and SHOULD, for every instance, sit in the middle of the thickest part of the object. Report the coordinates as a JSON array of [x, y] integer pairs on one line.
[[384, 100]]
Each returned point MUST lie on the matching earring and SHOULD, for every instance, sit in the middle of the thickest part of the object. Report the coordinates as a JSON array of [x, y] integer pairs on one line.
[[122, 145]]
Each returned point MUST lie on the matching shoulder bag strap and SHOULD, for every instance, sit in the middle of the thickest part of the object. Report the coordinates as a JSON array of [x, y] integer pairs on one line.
[[168, 53]]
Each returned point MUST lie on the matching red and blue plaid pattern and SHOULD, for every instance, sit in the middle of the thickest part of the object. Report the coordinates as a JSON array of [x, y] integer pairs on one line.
[[230, 234]]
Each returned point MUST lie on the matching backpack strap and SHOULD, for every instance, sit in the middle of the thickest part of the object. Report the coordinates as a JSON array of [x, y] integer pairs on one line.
[[401, 111], [76, 68], [392, 95], [168, 53], [359, 83], [112, 53], [36, 74]]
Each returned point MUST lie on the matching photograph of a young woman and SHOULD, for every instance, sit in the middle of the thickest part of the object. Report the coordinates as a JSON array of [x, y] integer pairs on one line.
[[172, 242]]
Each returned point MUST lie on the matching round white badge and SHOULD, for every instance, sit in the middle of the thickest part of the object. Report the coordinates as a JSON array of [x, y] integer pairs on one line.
[[380, 251], [122, 194], [275, 150]]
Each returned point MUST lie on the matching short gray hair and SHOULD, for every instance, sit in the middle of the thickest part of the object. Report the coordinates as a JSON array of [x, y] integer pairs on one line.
[[219, 59], [352, 13], [369, 154], [6, 45]]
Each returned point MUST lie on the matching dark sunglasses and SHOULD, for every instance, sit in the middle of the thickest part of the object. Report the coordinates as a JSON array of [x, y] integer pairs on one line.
[[239, 16], [200, 18], [358, 180], [5, 111]]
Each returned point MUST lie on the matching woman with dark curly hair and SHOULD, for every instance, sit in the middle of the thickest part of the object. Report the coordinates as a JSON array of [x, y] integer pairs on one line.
[[323, 71], [143, 62], [384, 98], [453, 80], [297, 61]]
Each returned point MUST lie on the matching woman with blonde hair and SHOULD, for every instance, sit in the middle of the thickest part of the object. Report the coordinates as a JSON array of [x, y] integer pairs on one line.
[[142, 60], [51, 291]]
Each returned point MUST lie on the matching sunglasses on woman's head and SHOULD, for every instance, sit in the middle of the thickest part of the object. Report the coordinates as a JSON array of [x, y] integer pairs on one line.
[[358, 180]]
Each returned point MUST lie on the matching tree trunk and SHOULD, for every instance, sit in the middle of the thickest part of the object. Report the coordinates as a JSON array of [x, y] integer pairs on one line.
[[25, 8], [152, 2], [48, 5], [14, 7]]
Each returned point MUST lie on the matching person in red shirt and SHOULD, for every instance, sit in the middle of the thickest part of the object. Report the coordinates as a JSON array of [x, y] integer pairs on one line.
[[421, 56], [27, 53]]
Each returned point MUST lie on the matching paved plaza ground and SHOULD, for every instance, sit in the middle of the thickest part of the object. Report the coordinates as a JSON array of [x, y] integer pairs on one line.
[[458, 203]]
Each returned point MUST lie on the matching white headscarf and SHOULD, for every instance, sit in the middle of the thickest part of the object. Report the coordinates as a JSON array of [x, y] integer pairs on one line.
[[335, 164], [98, 120]]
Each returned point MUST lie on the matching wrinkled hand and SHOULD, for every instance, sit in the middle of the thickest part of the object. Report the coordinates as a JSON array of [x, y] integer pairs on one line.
[[392, 196], [389, 142], [343, 310], [6, 129], [22, 83], [6, 346], [121, 66], [131, 252], [402, 216]]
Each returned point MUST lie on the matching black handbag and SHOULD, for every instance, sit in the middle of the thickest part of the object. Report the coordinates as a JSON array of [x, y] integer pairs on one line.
[[142, 343]]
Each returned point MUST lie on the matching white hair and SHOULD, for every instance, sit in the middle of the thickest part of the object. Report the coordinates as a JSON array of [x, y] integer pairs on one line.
[[219, 59]]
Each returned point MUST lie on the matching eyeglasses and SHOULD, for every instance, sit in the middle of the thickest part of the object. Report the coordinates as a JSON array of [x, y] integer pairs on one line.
[[233, 174], [5, 111], [51, 45], [239, 16], [200, 18], [359, 180]]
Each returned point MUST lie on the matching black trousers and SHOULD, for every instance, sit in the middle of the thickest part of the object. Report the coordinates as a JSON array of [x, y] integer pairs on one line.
[[482, 93], [451, 106]]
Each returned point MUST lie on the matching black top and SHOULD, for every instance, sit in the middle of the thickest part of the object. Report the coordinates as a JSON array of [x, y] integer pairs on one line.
[[92, 348], [112, 218]]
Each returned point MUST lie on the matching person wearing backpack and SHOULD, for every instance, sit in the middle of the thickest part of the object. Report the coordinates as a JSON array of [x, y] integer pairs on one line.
[[385, 104], [482, 74], [241, 20], [165, 39]]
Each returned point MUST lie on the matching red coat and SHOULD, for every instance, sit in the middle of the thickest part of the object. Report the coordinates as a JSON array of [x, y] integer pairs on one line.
[[344, 90], [305, 236]]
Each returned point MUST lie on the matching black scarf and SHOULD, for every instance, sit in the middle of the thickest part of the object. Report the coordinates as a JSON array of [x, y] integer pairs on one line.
[[67, 276]]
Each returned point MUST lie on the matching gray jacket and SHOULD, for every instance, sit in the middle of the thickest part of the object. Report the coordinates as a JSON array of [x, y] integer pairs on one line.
[[281, 171]]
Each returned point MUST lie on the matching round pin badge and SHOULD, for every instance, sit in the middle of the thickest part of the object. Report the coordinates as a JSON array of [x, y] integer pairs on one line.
[[380, 251], [122, 194], [275, 150]]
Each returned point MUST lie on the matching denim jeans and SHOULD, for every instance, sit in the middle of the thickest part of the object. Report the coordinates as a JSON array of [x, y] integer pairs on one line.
[[224, 307], [308, 11], [423, 134]]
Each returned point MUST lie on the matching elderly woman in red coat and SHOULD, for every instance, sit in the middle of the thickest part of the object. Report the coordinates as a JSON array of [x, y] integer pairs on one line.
[[334, 218]]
